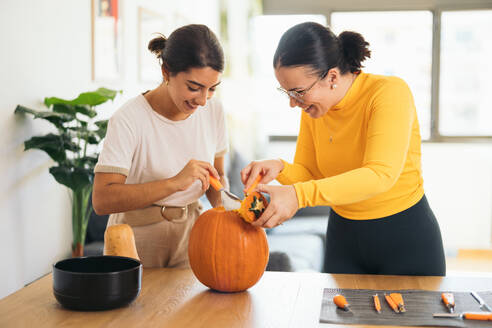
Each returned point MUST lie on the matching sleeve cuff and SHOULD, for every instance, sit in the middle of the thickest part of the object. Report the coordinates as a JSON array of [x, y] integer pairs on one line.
[[301, 196], [282, 177], [221, 153], [111, 169]]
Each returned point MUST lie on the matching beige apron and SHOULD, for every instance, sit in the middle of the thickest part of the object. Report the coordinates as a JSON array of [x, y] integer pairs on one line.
[[161, 233]]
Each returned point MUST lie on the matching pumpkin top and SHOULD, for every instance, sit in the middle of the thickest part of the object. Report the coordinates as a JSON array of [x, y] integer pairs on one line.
[[252, 207]]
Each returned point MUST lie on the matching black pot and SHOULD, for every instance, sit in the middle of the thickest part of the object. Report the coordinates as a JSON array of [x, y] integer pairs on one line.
[[96, 282]]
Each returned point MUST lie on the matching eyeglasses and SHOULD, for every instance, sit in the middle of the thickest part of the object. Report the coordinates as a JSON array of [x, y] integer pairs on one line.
[[298, 95]]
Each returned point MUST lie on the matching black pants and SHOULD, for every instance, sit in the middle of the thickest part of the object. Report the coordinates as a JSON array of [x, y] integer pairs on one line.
[[406, 243]]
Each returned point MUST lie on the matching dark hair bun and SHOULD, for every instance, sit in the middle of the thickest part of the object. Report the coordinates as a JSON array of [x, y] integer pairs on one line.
[[189, 46], [158, 44], [316, 46], [355, 50]]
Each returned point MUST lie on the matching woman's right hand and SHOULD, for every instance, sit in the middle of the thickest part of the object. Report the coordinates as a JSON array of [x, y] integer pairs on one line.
[[192, 171], [269, 169]]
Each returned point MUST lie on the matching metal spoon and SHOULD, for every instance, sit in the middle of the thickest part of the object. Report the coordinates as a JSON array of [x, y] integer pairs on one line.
[[230, 201]]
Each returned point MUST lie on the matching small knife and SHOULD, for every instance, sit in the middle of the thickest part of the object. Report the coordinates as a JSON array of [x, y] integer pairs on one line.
[[480, 301]]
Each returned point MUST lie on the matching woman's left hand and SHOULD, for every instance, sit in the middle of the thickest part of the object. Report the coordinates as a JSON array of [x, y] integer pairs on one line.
[[283, 205]]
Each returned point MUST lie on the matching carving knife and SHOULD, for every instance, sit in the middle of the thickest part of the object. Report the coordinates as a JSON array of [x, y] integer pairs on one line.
[[484, 316], [480, 301]]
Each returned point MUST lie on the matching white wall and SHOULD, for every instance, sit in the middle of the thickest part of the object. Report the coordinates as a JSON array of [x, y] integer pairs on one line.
[[46, 51], [458, 186]]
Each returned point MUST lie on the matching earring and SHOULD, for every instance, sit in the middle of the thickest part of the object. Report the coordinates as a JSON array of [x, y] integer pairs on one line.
[[333, 86], [167, 82]]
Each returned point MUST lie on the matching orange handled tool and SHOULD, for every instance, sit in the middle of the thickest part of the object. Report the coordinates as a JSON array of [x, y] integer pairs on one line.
[[230, 201], [391, 303], [255, 183], [215, 183], [341, 302], [398, 299], [377, 304], [483, 316], [448, 300]]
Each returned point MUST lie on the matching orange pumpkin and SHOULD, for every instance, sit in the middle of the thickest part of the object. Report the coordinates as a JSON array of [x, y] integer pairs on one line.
[[252, 206], [226, 253]]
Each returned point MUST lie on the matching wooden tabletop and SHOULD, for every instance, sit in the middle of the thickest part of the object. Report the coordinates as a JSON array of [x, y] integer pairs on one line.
[[174, 298]]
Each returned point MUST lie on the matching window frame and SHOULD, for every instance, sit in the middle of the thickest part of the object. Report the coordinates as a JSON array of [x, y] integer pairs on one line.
[[436, 9]]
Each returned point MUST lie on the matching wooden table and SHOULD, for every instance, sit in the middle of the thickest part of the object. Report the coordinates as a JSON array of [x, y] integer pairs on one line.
[[174, 298]]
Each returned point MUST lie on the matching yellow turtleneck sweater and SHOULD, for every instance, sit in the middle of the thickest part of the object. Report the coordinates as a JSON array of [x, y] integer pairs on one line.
[[362, 157]]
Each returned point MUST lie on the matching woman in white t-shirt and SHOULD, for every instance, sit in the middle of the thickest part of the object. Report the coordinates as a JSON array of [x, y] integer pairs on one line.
[[161, 147]]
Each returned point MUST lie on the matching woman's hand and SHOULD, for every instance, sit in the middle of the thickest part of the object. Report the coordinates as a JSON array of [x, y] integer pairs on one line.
[[269, 169], [192, 171], [283, 205]]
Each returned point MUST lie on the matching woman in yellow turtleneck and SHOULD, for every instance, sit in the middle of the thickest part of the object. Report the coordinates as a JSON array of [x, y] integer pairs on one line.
[[358, 151]]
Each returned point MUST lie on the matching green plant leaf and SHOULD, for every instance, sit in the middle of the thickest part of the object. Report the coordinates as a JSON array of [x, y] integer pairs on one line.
[[109, 93], [86, 110], [89, 162], [54, 145], [83, 125], [72, 110], [75, 178], [64, 108], [93, 138], [57, 118], [93, 98], [103, 127]]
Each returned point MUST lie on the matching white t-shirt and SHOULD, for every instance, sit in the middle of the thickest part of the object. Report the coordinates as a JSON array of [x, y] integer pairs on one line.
[[145, 146]]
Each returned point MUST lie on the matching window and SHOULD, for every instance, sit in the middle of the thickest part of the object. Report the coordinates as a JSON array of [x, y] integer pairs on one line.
[[401, 45], [465, 102], [277, 116]]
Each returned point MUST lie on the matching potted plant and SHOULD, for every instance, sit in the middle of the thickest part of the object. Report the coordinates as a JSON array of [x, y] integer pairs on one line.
[[74, 149]]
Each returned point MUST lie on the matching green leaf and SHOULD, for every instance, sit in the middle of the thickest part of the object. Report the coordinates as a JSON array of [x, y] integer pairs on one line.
[[109, 93], [86, 110], [89, 162], [83, 125], [75, 178], [93, 137], [56, 118], [72, 110], [64, 108], [93, 98], [103, 127], [54, 145]]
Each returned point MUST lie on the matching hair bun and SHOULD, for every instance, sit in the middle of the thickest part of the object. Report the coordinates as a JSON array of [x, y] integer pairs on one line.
[[355, 49], [157, 45]]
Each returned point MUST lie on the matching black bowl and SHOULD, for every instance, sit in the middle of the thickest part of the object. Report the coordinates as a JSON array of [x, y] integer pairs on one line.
[[96, 282]]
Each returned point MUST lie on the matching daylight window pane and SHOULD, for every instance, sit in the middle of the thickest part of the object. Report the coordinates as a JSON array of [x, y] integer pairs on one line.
[[465, 103], [277, 117], [401, 45]]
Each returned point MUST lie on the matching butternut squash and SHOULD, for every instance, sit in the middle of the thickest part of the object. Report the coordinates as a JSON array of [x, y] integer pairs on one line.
[[120, 241]]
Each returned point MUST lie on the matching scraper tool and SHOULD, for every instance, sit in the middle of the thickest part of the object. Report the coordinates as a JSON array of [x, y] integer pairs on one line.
[[230, 201]]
